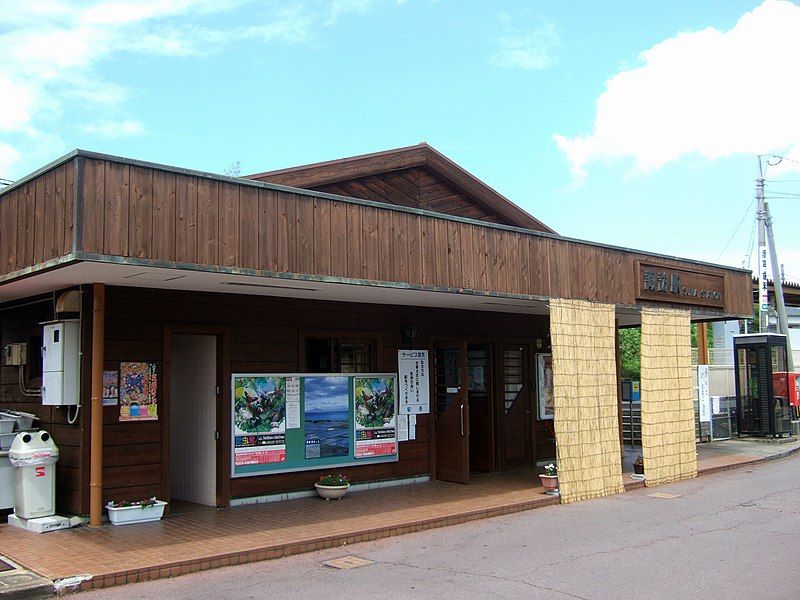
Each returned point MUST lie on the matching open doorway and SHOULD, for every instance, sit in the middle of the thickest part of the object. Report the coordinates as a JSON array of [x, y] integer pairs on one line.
[[193, 419]]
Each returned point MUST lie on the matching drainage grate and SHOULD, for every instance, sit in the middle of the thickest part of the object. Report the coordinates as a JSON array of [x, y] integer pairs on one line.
[[664, 496], [348, 562]]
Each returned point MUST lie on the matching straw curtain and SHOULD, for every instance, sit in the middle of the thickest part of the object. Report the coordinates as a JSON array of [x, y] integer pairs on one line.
[[668, 429], [585, 399]]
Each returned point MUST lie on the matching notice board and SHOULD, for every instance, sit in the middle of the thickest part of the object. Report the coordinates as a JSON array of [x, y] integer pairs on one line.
[[282, 422]]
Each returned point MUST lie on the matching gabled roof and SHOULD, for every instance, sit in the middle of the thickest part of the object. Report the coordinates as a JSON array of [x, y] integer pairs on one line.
[[325, 174]]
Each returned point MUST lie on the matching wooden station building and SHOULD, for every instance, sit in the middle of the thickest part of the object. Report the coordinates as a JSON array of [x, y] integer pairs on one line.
[[326, 268]]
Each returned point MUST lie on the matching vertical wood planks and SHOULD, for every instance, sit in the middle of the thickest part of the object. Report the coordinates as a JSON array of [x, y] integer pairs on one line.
[[164, 209], [399, 229], [228, 236], [186, 220], [414, 250], [49, 250], [287, 217], [338, 240], [355, 233], [39, 223], [248, 228], [26, 206], [466, 234], [140, 220], [116, 195], [321, 232], [93, 214], [267, 232], [369, 249], [385, 235], [8, 231], [304, 231], [69, 199], [59, 180], [207, 220], [427, 232]]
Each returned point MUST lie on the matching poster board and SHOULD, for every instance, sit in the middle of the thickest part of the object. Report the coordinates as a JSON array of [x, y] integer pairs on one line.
[[544, 386], [138, 391], [413, 378], [283, 422]]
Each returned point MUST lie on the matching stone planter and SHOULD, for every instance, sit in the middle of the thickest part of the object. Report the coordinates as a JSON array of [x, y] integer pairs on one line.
[[331, 492], [128, 515], [550, 483]]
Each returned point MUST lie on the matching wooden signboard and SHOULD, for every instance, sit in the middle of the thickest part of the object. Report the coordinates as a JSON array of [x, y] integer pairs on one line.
[[659, 283]]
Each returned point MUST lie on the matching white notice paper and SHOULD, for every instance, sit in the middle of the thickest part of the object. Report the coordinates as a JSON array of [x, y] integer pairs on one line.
[[703, 397], [402, 428], [412, 427], [292, 403], [413, 381]]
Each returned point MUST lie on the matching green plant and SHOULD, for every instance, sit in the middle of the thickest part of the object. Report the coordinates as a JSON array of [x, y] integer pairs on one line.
[[127, 503], [551, 470], [333, 480]]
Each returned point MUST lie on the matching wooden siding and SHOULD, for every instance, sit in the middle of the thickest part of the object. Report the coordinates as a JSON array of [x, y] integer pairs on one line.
[[416, 187], [36, 219], [265, 336], [182, 218]]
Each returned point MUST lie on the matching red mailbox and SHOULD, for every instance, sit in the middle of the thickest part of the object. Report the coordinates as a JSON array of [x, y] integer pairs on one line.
[[787, 385]]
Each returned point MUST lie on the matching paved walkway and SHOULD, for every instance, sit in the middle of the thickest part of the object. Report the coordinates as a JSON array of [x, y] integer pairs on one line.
[[198, 540]]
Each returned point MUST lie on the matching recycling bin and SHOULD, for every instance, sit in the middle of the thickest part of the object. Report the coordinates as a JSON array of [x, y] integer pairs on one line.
[[33, 456]]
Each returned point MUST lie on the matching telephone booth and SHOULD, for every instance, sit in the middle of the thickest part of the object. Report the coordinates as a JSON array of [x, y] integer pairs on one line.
[[763, 409]]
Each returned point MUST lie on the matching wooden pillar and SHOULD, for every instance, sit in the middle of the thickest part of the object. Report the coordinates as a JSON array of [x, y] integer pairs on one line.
[[702, 343], [618, 359], [96, 448]]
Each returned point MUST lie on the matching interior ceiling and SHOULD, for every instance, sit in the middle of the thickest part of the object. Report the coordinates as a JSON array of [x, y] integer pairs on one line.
[[204, 281]]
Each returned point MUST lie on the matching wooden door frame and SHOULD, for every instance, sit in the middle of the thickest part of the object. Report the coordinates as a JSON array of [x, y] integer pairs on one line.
[[435, 339], [223, 463], [529, 380]]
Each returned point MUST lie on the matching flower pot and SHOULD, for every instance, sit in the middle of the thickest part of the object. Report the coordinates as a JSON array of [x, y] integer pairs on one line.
[[550, 484], [331, 492], [638, 468], [128, 515]]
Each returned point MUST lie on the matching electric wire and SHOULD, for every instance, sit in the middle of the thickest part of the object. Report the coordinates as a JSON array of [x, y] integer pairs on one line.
[[751, 244], [735, 231]]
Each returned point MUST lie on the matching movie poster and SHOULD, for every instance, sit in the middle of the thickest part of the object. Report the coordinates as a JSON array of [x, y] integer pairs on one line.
[[138, 391], [375, 419], [259, 418]]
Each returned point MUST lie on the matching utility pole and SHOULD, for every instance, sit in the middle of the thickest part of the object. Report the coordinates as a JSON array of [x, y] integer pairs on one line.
[[783, 322], [763, 285]]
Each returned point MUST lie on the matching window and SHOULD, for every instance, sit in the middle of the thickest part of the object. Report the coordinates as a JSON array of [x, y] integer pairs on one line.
[[337, 355]]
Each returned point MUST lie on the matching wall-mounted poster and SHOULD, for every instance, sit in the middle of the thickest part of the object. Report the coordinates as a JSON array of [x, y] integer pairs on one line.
[[259, 420], [413, 381], [327, 416], [376, 425], [110, 388], [284, 422], [138, 391], [544, 386]]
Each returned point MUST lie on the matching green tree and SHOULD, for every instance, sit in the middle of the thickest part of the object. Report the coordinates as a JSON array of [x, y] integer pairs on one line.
[[630, 342]]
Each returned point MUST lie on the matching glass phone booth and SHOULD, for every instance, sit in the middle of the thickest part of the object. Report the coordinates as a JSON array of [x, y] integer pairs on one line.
[[761, 409]]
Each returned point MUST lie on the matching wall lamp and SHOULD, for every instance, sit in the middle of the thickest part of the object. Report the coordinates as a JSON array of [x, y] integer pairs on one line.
[[409, 333]]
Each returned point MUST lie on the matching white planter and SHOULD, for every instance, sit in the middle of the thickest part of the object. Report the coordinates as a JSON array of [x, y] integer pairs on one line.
[[128, 515], [331, 492]]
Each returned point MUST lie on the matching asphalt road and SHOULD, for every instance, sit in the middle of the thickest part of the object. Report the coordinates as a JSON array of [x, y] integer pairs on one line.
[[731, 535]]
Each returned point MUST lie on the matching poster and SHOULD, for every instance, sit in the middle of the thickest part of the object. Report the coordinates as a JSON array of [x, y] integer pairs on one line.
[[413, 380], [402, 428], [138, 391], [544, 386], [287, 422], [259, 418], [375, 422], [327, 416], [412, 427], [110, 388]]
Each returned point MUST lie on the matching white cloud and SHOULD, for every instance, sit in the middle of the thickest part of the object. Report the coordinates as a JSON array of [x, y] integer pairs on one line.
[[531, 50], [50, 51], [712, 93], [114, 129]]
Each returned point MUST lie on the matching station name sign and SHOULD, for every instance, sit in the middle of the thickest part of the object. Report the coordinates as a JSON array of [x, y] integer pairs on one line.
[[668, 284]]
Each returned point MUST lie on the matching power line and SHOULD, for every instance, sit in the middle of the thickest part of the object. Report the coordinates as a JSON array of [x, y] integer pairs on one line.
[[751, 244], [735, 231]]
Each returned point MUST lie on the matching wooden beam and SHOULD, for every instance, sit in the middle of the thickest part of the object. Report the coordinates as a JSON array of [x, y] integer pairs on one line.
[[702, 344], [96, 449]]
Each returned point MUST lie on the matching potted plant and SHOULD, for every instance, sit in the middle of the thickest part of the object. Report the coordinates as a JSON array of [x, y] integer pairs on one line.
[[638, 465], [127, 512], [332, 487], [550, 479]]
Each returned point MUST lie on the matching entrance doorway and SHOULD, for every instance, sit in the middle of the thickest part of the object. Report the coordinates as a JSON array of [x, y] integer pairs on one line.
[[463, 402], [193, 419], [515, 410]]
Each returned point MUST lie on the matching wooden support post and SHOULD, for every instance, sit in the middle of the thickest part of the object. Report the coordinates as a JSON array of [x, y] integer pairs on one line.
[[96, 448], [618, 358], [702, 343]]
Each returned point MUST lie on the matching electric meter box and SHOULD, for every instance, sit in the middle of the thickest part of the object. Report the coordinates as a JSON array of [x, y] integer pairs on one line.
[[61, 363]]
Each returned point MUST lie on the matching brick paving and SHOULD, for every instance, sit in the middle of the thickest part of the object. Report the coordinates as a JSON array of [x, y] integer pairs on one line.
[[196, 540]]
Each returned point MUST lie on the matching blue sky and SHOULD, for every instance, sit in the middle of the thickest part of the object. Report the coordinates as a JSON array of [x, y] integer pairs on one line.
[[629, 123], [327, 394]]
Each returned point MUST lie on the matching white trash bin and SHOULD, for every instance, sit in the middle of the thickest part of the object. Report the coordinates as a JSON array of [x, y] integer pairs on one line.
[[33, 456]]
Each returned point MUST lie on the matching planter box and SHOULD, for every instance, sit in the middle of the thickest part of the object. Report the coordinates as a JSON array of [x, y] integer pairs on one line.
[[128, 515], [331, 492]]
